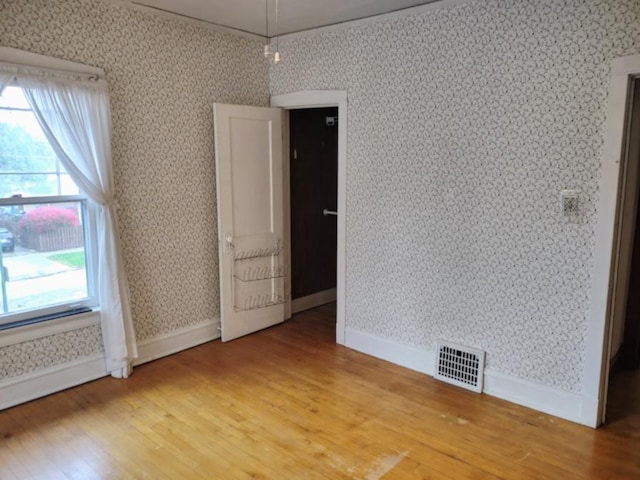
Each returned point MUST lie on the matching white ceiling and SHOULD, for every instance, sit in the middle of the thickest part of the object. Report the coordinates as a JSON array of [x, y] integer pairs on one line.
[[294, 15]]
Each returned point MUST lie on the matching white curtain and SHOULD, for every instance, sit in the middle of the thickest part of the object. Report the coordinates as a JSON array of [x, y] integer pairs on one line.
[[7, 74], [75, 117]]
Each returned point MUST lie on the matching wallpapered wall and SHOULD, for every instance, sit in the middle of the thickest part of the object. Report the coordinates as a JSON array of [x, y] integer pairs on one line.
[[464, 124], [163, 75]]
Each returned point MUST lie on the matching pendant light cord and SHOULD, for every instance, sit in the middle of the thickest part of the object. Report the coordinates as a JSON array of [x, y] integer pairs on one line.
[[277, 25], [266, 16]]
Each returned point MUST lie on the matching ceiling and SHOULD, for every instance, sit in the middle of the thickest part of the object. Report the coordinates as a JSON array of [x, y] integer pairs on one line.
[[294, 15]]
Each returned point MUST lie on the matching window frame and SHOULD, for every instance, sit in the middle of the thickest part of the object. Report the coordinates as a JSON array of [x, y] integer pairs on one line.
[[62, 309], [91, 301], [17, 334], [58, 173]]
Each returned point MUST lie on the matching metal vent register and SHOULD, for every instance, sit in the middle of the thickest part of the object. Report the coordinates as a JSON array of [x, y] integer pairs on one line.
[[461, 366]]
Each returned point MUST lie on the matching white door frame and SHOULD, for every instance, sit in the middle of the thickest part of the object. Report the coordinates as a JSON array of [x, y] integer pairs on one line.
[[318, 99], [605, 259]]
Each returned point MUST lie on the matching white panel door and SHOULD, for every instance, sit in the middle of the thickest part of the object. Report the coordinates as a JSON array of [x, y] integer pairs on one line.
[[250, 218]]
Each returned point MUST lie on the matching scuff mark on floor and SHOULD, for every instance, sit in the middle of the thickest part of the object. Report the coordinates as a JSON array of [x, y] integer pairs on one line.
[[525, 456], [384, 465]]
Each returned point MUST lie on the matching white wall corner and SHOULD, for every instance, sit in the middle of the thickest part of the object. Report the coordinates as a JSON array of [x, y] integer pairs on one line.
[[545, 399], [590, 414], [176, 341]]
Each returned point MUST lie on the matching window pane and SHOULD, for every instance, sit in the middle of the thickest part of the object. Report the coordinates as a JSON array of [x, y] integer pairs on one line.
[[13, 97], [23, 146], [67, 186], [43, 256], [35, 185], [25, 149]]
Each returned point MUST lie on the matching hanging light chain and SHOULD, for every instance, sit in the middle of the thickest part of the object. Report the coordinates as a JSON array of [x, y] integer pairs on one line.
[[267, 47], [268, 52], [276, 56]]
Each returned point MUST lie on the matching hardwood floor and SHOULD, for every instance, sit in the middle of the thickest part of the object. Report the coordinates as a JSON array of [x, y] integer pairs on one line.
[[288, 403], [623, 403]]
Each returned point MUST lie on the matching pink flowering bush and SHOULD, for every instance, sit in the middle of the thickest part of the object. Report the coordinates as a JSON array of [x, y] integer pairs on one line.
[[47, 219]]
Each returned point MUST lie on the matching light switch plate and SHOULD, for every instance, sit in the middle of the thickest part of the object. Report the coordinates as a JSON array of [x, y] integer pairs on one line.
[[570, 204]]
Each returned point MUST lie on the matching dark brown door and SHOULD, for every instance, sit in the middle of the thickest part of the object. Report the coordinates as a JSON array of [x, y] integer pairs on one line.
[[314, 187], [630, 349]]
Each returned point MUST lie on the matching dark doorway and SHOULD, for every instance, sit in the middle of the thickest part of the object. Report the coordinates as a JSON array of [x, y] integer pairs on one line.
[[314, 200], [624, 377], [629, 357]]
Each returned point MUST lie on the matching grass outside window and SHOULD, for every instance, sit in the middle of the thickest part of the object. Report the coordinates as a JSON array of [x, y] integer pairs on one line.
[[70, 259]]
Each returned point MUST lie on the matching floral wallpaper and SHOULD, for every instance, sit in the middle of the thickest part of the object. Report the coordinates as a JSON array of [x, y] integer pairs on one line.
[[27, 357], [164, 75], [464, 124]]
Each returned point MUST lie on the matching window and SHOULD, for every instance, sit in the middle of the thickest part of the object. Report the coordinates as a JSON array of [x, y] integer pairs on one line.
[[45, 223]]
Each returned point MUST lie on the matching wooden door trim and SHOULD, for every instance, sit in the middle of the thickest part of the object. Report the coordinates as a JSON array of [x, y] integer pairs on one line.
[[313, 99]]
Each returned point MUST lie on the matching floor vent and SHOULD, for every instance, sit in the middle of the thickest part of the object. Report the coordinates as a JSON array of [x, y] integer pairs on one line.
[[461, 366]]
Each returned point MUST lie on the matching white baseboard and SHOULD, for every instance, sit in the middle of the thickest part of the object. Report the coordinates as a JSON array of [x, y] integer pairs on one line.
[[21, 389], [24, 388], [590, 411], [414, 358], [549, 400], [545, 399], [314, 300], [17, 390], [176, 341]]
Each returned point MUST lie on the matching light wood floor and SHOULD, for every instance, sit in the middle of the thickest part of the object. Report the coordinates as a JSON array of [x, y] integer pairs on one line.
[[287, 403]]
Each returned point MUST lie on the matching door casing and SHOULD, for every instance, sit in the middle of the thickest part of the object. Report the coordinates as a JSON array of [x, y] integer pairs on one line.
[[625, 306], [317, 99], [607, 246]]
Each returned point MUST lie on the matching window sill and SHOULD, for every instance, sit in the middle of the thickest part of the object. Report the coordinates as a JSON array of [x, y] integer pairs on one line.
[[34, 331]]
